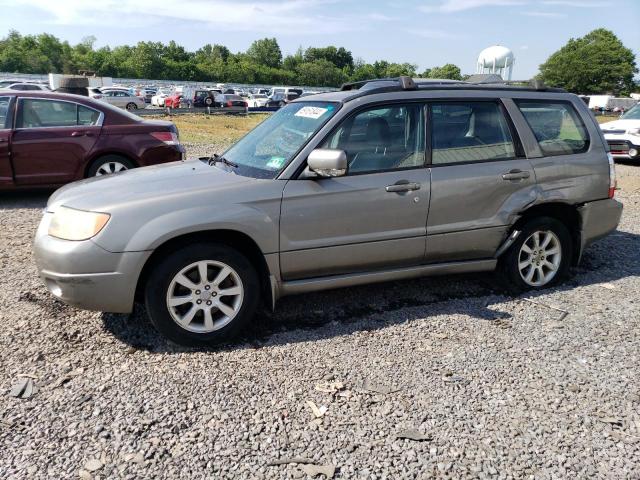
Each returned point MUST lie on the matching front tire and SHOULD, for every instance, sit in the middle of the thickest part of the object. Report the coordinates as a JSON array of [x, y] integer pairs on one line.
[[202, 294], [131, 106], [540, 257]]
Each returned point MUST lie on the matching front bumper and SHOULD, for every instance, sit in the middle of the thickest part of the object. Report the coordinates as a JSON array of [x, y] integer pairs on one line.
[[598, 219], [85, 275], [621, 147]]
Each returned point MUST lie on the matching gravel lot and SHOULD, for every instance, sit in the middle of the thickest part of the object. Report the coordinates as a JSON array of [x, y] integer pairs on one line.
[[496, 386]]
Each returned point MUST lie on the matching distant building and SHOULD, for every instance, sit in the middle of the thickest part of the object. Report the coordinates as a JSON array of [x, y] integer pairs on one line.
[[497, 60]]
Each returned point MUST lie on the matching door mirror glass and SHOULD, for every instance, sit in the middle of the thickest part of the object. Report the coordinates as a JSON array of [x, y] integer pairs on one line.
[[328, 162]]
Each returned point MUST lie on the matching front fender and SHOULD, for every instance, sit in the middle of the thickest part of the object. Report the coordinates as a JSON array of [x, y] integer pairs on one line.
[[257, 224]]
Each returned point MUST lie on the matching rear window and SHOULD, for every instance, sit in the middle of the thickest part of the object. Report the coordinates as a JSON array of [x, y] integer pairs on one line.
[[556, 125], [469, 132]]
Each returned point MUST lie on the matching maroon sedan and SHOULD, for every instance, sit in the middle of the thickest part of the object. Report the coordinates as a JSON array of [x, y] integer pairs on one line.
[[48, 139]]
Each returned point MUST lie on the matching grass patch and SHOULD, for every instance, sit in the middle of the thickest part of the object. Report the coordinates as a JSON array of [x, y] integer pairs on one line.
[[607, 118], [213, 128]]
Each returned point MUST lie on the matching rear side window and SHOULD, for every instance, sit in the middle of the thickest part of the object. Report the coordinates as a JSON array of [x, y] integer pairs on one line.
[[556, 125], [469, 132], [87, 116], [4, 112]]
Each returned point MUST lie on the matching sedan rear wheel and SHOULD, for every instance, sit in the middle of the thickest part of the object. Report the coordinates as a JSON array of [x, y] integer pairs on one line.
[[109, 164]]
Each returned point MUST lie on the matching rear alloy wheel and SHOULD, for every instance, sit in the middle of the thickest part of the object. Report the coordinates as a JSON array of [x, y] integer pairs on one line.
[[202, 294], [540, 256], [109, 164], [131, 106]]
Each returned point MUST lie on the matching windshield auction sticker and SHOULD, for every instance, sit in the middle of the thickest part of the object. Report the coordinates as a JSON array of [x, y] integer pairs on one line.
[[276, 162], [311, 112]]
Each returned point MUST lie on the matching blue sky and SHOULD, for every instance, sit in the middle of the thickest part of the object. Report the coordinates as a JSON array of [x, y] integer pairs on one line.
[[426, 33]]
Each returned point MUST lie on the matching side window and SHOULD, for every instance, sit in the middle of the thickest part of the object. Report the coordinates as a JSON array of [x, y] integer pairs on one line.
[[34, 113], [556, 125], [4, 112], [87, 116], [382, 138], [469, 132]]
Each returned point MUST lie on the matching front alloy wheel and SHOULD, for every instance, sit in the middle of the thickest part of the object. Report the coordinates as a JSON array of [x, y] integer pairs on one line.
[[202, 293], [205, 296]]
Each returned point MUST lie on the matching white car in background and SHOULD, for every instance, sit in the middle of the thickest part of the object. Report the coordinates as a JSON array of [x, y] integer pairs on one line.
[[158, 99], [256, 100], [28, 87], [623, 135], [122, 98]]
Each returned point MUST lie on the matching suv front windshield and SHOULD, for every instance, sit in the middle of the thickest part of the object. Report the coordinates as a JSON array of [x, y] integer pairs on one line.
[[633, 114], [269, 147]]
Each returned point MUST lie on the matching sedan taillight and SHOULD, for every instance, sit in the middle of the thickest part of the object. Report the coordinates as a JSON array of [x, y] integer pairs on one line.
[[168, 138]]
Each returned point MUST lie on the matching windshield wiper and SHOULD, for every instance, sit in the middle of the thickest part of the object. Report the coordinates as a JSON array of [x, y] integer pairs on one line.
[[219, 158]]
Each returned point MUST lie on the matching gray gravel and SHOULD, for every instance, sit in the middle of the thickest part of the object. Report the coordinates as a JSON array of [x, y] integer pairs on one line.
[[443, 377]]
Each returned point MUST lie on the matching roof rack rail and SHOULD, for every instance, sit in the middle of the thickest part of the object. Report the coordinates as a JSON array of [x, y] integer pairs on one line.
[[383, 85], [403, 83]]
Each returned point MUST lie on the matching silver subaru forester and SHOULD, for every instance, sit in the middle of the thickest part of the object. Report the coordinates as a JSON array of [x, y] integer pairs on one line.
[[384, 180]]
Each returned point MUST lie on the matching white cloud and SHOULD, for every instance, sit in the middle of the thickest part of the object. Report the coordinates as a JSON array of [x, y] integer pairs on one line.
[[524, 47], [544, 14], [265, 16], [450, 6], [576, 3]]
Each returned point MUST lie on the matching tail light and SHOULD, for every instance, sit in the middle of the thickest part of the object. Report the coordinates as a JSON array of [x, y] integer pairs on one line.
[[97, 96], [612, 176], [246, 105], [229, 103], [168, 138]]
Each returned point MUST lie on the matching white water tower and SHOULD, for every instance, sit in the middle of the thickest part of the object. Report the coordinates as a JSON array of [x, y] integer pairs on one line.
[[496, 59]]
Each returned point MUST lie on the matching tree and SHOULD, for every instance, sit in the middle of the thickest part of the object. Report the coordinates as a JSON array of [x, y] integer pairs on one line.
[[266, 52], [320, 73], [595, 63], [340, 57], [448, 71]]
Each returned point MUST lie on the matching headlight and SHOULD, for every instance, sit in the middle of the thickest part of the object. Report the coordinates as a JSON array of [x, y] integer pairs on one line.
[[634, 131], [71, 224]]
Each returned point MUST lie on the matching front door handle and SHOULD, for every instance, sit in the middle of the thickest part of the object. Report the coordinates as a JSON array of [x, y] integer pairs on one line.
[[81, 134], [402, 186], [516, 175]]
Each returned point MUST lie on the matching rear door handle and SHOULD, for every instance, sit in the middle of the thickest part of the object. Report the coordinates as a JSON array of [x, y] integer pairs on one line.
[[516, 175], [81, 134], [403, 186]]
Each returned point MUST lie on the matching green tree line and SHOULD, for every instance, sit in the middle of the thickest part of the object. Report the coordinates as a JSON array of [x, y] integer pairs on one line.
[[262, 63]]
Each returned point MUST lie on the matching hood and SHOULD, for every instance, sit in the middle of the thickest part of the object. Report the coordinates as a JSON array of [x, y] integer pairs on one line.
[[143, 184], [620, 125]]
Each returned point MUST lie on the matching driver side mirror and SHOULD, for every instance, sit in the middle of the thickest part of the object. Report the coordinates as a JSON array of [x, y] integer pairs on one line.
[[328, 162]]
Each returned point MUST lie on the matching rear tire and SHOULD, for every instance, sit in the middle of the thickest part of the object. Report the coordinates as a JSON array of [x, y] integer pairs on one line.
[[109, 164], [191, 309], [539, 258]]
